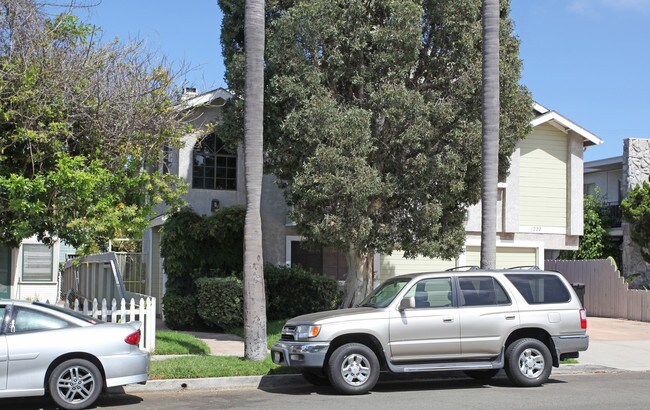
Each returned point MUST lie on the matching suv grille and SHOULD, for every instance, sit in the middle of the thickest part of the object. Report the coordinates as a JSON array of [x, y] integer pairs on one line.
[[289, 333]]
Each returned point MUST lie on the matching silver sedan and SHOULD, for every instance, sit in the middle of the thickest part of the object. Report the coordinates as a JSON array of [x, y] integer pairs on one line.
[[73, 358]]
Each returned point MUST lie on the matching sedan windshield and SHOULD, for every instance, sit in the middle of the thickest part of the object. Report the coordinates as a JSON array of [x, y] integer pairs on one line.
[[384, 294]]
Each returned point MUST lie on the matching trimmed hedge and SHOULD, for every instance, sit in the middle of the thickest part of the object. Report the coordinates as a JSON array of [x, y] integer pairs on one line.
[[295, 291], [180, 312], [220, 301]]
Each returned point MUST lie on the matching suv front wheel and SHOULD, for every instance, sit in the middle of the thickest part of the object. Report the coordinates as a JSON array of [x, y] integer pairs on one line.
[[353, 369], [528, 362]]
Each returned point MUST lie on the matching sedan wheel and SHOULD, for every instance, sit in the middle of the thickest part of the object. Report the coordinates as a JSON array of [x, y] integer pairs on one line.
[[75, 384], [528, 362], [353, 369]]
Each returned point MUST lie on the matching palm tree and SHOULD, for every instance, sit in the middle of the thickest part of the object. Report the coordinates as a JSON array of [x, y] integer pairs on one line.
[[490, 134], [254, 297]]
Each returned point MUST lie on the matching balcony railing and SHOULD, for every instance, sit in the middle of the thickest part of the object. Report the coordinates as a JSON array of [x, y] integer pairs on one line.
[[612, 215]]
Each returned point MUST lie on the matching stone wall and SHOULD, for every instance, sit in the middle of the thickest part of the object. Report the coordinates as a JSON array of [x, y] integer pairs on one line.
[[636, 169]]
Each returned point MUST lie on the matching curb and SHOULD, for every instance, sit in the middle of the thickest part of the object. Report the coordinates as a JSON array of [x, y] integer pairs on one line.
[[296, 380]]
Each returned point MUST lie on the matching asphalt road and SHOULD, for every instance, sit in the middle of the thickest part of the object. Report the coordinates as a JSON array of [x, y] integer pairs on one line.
[[623, 390]]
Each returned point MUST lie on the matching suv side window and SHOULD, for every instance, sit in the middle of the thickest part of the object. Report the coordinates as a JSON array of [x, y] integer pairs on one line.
[[433, 292], [540, 288], [481, 291]]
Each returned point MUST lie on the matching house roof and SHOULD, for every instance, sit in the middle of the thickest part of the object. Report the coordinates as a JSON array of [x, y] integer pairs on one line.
[[562, 123], [605, 164], [216, 97]]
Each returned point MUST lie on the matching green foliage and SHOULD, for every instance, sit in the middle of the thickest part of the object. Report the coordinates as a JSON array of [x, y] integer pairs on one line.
[[591, 242], [194, 246], [220, 301], [82, 131], [294, 291], [373, 116], [636, 211], [180, 312]]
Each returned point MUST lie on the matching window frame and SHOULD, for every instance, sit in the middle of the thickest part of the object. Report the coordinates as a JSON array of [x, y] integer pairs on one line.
[[51, 269], [462, 301], [414, 292], [217, 151]]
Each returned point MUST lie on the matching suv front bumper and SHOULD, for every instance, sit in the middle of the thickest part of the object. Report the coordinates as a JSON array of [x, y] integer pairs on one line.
[[299, 354]]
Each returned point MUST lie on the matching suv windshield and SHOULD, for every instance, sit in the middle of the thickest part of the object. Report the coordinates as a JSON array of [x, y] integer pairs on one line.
[[384, 294]]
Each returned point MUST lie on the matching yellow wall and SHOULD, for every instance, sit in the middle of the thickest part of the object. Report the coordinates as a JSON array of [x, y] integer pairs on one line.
[[396, 264], [507, 257], [543, 178]]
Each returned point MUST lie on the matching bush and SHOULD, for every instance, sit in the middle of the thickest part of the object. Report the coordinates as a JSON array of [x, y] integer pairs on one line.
[[180, 312], [295, 291], [220, 301]]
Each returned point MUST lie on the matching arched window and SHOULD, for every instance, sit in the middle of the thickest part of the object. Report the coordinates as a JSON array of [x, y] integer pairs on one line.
[[214, 167]]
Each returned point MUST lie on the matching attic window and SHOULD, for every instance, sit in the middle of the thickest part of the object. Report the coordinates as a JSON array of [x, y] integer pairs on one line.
[[214, 166]]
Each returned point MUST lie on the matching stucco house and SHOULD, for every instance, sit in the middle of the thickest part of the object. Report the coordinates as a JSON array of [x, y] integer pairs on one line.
[[614, 177], [539, 210]]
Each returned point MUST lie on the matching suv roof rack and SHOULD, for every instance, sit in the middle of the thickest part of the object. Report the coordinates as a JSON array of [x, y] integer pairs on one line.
[[463, 268], [525, 267]]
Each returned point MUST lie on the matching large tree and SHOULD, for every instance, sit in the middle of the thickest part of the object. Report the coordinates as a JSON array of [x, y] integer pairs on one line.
[[254, 298], [82, 130], [373, 120]]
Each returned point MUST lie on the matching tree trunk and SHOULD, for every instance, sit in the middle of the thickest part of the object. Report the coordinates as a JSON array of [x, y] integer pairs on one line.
[[490, 134], [359, 282], [254, 297]]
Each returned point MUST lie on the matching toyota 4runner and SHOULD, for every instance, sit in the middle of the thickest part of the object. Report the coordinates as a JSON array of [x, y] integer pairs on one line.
[[477, 321]]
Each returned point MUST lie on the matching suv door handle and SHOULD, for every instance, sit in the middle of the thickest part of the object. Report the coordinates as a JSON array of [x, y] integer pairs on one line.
[[447, 319], [510, 317]]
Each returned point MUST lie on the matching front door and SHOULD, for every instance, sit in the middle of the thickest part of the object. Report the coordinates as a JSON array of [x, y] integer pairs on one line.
[[5, 272], [431, 330]]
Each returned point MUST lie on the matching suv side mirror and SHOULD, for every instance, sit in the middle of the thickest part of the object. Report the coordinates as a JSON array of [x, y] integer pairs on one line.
[[407, 303]]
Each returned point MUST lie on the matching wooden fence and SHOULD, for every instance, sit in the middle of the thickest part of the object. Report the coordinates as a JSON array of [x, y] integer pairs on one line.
[[606, 293], [144, 311]]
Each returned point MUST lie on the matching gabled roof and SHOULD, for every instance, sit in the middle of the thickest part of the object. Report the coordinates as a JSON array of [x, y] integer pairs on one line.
[[557, 120], [216, 97]]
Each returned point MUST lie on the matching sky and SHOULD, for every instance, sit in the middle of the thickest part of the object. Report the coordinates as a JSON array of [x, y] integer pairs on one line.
[[589, 60]]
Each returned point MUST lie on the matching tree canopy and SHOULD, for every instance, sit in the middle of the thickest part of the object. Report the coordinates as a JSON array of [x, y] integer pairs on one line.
[[83, 126], [373, 119]]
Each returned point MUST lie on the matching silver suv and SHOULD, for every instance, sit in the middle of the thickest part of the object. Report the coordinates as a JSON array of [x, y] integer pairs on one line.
[[477, 321]]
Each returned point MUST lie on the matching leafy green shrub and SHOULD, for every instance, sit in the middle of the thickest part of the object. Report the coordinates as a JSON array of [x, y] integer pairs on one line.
[[197, 246], [295, 291], [220, 301], [180, 312]]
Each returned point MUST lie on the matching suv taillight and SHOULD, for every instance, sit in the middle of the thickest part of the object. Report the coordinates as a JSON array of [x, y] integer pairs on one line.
[[133, 338], [583, 319]]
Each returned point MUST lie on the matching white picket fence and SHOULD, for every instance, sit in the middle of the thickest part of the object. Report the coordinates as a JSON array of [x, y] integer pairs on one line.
[[144, 311]]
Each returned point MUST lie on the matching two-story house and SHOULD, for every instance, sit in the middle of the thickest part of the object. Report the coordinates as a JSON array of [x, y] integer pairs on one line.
[[540, 203]]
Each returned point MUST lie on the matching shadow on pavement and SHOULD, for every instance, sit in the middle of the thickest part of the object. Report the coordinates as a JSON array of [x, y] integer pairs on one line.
[[394, 383], [111, 399]]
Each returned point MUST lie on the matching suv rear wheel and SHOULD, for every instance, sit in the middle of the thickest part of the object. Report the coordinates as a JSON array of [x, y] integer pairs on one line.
[[528, 362], [353, 369]]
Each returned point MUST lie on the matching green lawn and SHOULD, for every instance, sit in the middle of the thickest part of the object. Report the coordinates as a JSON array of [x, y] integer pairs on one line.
[[273, 331], [190, 367], [170, 342]]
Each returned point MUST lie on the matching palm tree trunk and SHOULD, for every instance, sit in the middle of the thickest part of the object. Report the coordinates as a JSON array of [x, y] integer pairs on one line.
[[490, 134], [254, 297]]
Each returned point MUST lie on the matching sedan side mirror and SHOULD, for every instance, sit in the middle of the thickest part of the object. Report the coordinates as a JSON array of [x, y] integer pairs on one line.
[[407, 303]]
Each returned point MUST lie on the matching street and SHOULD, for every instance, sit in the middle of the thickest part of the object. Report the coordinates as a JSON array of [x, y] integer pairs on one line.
[[621, 390]]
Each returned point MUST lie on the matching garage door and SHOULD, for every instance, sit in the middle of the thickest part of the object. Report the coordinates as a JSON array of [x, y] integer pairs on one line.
[[507, 257], [397, 264]]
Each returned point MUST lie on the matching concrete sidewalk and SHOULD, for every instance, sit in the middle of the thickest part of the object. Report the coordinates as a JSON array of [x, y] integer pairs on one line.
[[614, 345]]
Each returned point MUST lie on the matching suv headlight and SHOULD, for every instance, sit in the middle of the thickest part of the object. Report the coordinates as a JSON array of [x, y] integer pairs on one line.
[[307, 331]]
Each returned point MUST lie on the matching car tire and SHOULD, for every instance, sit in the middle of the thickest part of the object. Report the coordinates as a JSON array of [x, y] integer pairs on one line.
[[316, 377], [353, 369], [75, 384], [528, 362], [482, 374]]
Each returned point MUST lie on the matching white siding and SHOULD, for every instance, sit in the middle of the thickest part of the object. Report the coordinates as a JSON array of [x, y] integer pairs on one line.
[[543, 178]]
